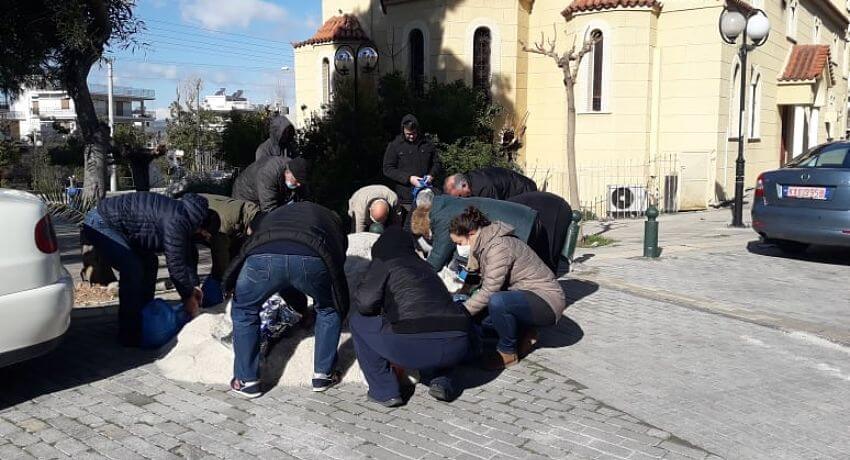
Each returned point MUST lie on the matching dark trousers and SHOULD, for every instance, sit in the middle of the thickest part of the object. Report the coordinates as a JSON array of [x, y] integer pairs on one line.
[[376, 345], [137, 281], [510, 312], [265, 274]]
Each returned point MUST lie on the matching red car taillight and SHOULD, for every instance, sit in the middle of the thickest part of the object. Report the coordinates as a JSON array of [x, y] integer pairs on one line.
[[45, 236], [760, 186]]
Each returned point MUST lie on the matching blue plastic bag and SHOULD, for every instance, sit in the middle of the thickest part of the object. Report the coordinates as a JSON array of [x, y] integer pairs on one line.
[[161, 321], [213, 294]]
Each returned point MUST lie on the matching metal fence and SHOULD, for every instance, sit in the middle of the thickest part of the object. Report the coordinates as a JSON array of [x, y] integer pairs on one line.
[[617, 189]]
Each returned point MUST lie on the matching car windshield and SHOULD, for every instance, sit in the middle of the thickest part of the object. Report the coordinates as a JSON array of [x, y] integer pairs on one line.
[[829, 156]]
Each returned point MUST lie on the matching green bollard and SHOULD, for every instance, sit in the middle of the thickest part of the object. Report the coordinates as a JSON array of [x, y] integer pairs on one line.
[[572, 237], [650, 234]]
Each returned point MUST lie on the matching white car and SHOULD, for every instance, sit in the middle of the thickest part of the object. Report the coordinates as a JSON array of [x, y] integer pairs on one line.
[[36, 291]]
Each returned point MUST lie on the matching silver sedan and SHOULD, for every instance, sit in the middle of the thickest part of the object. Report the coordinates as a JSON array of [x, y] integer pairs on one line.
[[806, 201]]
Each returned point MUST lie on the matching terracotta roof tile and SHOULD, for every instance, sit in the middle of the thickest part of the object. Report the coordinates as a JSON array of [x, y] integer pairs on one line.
[[578, 6], [337, 28], [807, 62]]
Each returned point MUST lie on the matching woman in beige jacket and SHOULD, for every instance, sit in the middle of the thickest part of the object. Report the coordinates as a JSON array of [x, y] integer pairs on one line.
[[518, 289]]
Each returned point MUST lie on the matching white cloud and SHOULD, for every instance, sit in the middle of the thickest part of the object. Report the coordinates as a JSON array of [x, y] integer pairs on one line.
[[162, 114], [218, 14], [149, 69]]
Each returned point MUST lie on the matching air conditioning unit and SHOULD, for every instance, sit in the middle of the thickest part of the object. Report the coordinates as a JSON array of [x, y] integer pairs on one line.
[[626, 200]]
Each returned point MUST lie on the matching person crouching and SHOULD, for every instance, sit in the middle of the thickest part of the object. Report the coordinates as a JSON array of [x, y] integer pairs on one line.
[[404, 315], [518, 290]]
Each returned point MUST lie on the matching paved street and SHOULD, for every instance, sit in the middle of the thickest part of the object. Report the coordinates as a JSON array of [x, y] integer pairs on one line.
[[721, 348]]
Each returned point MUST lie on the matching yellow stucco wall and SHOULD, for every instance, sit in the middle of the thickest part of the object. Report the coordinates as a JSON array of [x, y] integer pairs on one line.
[[668, 82]]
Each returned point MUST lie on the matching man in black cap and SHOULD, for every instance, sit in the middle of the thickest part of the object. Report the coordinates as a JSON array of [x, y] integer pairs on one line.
[[273, 181]]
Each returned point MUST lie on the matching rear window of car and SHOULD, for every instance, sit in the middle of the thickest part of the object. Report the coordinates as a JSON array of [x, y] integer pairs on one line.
[[836, 156]]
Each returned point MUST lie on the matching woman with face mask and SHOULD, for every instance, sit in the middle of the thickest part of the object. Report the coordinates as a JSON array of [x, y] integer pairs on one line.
[[518, 290]]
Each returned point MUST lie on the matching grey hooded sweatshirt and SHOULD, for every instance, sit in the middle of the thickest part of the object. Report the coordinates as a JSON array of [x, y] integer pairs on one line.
[[271, 146]]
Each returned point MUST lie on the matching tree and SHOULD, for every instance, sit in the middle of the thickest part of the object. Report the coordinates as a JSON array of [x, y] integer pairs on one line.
[[569, 62], [56, 42], [243, 133], [191, 128]]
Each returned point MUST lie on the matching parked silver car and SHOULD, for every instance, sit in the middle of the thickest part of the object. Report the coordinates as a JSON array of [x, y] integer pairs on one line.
[[806, 201]]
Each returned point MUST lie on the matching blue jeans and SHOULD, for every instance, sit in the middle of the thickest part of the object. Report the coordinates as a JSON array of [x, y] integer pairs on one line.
[[137, 269], [511, 312], [376, 345], [265, 274]]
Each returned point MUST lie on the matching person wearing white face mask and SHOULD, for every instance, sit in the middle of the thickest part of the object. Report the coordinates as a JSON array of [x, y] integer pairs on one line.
[[518, 290], [273, 181]]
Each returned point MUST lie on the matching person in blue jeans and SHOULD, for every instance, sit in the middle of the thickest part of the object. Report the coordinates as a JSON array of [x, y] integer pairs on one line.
[[518, 291], [405, 316], [300, 246], [128, 231]]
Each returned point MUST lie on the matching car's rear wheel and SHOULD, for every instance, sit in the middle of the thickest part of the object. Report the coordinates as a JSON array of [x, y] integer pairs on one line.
[[791, 247]]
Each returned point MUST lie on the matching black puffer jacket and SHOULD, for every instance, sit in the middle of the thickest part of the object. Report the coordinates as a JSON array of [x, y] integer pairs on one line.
[[404, 159], [402, 287], [263, 183], [157, 223], [499, 183], [309, 224], [271, 147]]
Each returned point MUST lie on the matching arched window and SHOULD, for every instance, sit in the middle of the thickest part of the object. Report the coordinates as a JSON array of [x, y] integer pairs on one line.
[[735, 101], [791, 19], [416, 45], [816, 31], [326, 81], [481, 59], [597, 60], [755, 106]]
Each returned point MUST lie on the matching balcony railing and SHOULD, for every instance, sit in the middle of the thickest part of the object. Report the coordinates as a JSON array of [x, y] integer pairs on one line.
[[11, 115], [123, 91], [60, 113]]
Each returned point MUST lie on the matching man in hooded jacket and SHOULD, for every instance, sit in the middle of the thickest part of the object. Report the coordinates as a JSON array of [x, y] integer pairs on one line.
[[273, 181], [411, 158], [281, 141], [129, 230]]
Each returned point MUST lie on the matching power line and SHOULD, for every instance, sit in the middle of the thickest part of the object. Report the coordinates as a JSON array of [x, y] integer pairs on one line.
[[216, 31], [198, 49], [197, 64], [264, 50], [224, 39]]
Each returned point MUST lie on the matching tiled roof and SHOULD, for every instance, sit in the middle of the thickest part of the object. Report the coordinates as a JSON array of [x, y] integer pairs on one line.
[[578, 6], [807, 62], [337, 28]]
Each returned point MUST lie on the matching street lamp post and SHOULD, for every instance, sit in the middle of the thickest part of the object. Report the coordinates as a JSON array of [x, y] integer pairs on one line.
[[733, 24], [347, 61]]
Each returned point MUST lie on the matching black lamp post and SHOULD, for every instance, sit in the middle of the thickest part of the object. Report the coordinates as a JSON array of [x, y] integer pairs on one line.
[[733, 24], [347, 61]]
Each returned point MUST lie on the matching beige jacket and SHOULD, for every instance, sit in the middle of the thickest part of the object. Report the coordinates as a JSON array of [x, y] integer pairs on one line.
[[507, 263], [358, 205]]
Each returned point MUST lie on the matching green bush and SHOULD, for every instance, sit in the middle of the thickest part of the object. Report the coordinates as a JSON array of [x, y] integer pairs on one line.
[[467, 154], [243, 133]]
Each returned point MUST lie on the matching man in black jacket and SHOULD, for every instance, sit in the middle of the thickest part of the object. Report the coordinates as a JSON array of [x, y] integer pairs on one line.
[[273, 181], [129, 230], [406, 316], [410, 161], [492, 182], [301, 246], [281, 139]]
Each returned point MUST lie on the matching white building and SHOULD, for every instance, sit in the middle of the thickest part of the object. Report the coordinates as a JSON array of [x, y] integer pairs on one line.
[[35, 110], [222, 102]]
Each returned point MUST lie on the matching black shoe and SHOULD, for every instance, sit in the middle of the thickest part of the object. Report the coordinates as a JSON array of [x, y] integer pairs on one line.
[[392, 402], [246, 389], [322, 384], [441, 389]]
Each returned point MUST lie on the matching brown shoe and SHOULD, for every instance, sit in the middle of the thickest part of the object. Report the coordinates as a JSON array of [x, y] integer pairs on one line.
[[498, 361], [527, 342]]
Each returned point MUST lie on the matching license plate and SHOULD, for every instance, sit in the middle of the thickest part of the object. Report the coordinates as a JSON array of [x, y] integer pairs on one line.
[[805, 193]]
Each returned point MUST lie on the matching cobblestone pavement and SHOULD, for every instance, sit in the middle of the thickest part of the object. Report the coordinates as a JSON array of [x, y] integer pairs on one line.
[[91, 399]]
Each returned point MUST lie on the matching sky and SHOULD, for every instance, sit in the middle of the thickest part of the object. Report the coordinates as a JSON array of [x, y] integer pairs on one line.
[[232, 44]]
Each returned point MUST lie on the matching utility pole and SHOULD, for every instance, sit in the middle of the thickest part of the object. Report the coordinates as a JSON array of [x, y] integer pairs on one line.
[[113, 173], [198, 106]]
